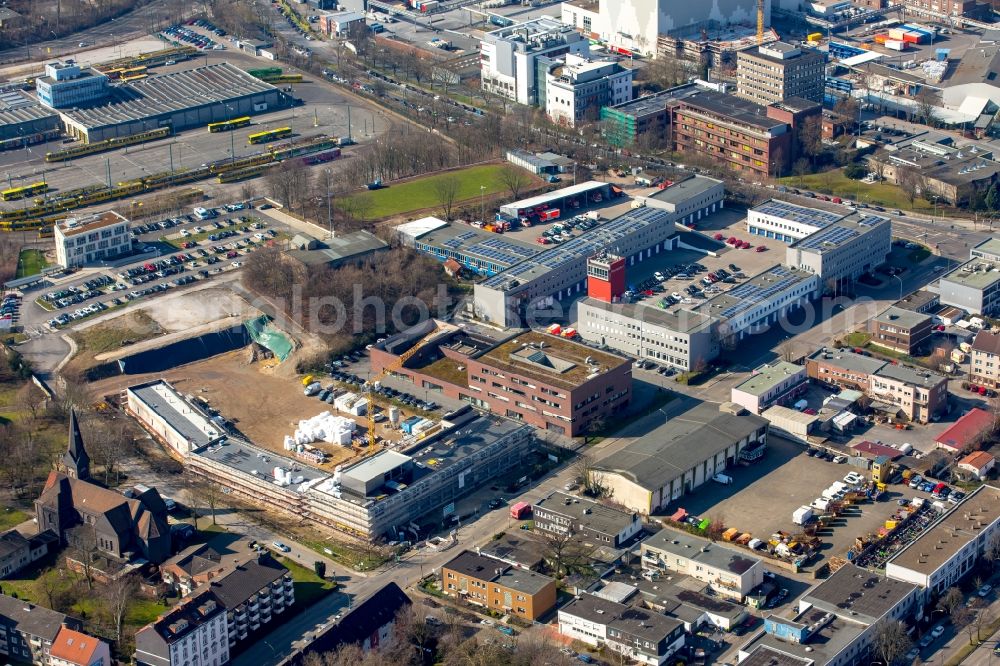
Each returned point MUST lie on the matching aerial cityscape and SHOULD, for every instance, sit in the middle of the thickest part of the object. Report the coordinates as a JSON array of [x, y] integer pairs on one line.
[[499, 332]]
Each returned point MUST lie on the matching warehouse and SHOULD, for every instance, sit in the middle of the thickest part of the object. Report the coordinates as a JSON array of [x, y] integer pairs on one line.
[[189, 98], [682, 454], [561, 200], [21, 118], [171, 418]]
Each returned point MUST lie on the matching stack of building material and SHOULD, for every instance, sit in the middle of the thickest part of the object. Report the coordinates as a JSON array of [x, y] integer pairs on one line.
[[323, 427]]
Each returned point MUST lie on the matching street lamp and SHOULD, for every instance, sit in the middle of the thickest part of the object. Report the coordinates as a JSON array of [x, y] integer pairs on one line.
[[900, 285], [482, 203]]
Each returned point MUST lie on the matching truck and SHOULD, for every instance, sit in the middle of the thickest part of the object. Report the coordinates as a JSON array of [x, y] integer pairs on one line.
[[802, 515], [520, 511]]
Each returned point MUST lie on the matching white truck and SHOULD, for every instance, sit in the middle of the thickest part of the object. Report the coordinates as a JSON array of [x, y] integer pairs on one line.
[[802, 515]]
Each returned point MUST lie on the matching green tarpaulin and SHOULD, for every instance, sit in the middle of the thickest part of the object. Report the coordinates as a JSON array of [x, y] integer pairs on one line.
[[267, 336]]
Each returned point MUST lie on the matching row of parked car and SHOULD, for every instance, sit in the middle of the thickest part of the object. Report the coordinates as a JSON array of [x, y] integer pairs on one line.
[[9, 307], [196, 39]]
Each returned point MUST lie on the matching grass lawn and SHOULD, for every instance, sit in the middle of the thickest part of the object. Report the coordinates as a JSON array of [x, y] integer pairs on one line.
[[109, 336], [857, 339], [11, 518], [144, 611], [308, 586], [346, 555], [419, 193], [30, 262], [837, 184]]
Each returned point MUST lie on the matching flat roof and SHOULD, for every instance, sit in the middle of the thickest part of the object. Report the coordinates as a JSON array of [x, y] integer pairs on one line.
[[788, 414], [821, 646], [938, 543], [915, 376], [641, 622], [376, 466], [596, 516], [550, 359], [417, 228], [656, 102], [841, 232], [680, 320], [73, 226], [682, 190], [712, 554], [341, 248], [530, 158], [17, 108], [989, 246], [760, 288], [902, 317], [162, 399], [461, 239], [976, 273], [848, 360], [562, 192], [680, 444], [765, 655], [732, 107], [173, 92], [258, 462], [813, 217], [682, 596], [865, 595], [917, 300], [767, 377]]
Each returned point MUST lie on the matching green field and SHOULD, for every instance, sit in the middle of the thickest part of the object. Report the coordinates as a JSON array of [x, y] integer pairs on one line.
[[308, 586], [420, 193], [30, 262], [835, 183]]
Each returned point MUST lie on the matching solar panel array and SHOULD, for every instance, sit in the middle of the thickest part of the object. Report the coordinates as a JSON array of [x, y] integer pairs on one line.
[[830, 236], [504, 245], [870, 220], [460, 239], [800, 214], [751, 293]]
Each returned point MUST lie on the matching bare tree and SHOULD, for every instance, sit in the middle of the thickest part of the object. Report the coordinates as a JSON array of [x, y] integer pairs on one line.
[[110, 442], [890, 641], [926, 110], [117, 597], [514, 179], [963, 618], [951, 600], [84, 548], [207, 494], [911, 182], [563, 551], [446, 192]]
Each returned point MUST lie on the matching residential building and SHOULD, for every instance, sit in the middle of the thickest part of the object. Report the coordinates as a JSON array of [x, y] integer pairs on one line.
[[978, 464], [645, 636], [368, 624], [842, 252], [530, 285], [74, 648], [968, 431], [730, 573], [682, 454], [935, 8], [18, 551], [81, 241], [916, 394], [513, 58], [28, 631], [197, 565], [67, 85], [170, 418], [776, 384], [836, 622], [576, 87], [550, 382], [484, 581], [192, 633], [775, 72], [680, 597], [253, 594], [80, 512], [741, 134], [950, 547], [561, 513], [905, 331], [984, 361]]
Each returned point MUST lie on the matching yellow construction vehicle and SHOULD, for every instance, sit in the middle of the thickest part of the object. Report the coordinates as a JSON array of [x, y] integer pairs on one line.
[[370, 386]]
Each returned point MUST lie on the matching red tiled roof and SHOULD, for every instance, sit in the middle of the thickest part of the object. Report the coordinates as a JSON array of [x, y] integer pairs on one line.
[[74, 647], [966, 429], [977, 459], [873, 449]]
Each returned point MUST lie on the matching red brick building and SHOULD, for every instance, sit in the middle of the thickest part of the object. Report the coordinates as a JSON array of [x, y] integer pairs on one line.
[[543, 380]]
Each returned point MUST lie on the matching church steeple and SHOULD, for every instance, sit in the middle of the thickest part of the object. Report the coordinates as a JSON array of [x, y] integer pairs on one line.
[[75, 460]]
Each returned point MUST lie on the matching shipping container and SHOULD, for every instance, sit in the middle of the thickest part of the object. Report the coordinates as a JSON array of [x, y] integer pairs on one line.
[[896, 33], [814, 36], [880, 39], [895, 45]]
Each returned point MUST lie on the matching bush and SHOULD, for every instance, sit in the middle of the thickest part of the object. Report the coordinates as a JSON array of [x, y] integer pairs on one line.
[[855, 171]]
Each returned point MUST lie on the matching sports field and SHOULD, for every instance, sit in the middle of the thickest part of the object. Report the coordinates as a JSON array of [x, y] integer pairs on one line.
[[421, 193]]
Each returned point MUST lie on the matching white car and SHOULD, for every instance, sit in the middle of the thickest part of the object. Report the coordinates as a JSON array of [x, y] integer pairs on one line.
[[185, 233], [237, 264], [659, 276], [280, 546]]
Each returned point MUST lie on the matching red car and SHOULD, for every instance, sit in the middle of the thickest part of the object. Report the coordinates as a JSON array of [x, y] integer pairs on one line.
[[542, 240], [731, 240], [761, 248], [718, 236], [745, 245]]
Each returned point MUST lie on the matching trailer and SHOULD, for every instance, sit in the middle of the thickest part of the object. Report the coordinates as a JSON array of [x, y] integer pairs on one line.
[[520, 511]]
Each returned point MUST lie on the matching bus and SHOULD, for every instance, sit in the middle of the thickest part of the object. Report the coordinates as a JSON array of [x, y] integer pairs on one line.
[[15, 193], [132, 77], [270, 135], [226, 125]]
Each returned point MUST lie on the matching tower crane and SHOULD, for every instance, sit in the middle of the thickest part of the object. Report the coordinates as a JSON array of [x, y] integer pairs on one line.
[[370, 385], [760, 22]]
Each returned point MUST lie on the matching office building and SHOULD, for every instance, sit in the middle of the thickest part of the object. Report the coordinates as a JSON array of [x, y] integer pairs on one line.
[[75, 648], [679, 456], [341, 24], [576, 87], [87, 240], [984, 361], [513, 58], [901, 330], [835, 623], [484, 581], [776, 384], [170, 418], [193, 633], [639, 634], [775, 72], [730, 573], [949, 548], [28, 631], [67, 85], [974, 287], [550, 382], [561, 513], [842, 252]]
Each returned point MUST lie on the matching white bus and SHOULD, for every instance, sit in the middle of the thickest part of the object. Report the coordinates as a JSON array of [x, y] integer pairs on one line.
[[204, 213]]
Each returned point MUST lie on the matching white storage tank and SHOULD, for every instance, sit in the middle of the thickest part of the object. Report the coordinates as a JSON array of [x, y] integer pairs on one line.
[[394, 415]]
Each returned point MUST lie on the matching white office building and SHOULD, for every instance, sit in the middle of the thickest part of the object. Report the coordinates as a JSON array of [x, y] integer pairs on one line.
[[85, 240], [579, 86], [67, 85], [510, 57], [789, 222], [730, 573]]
